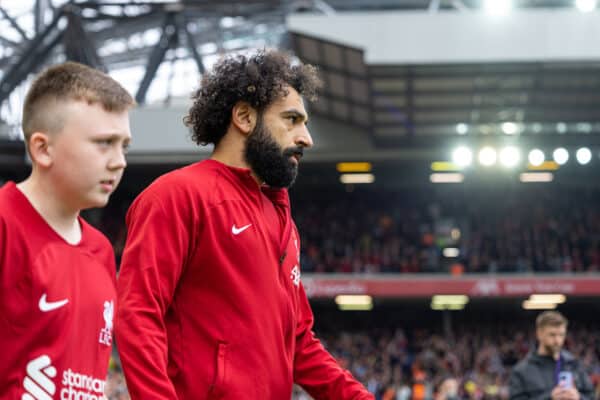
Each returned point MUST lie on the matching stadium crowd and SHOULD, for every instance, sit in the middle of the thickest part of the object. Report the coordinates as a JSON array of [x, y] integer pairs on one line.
[[461, 231], [533, 230], [421, 364]]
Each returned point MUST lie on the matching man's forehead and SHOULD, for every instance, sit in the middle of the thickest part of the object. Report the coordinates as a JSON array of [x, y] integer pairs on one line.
[[553, 328], [291, 99]]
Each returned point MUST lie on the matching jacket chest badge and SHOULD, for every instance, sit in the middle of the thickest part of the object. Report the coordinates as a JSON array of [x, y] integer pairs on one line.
[[295, 275], [106, 332]]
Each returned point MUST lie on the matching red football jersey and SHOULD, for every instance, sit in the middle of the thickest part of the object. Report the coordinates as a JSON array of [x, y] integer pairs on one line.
[[57, 303]]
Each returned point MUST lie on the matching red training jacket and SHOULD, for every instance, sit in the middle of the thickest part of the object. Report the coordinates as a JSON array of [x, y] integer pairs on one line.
[[210, 303]]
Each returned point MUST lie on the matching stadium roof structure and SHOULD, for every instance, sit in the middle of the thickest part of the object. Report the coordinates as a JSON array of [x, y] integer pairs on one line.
[[421, 103], [410, 78], [158, 50]]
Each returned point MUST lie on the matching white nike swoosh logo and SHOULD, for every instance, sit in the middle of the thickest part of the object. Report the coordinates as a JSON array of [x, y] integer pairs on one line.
[[46, 306], [237, 231]]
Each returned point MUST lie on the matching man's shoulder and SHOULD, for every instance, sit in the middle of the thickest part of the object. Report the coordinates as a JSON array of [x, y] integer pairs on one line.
[[198, 177], [192, 184], [524, 365], [191, 178], [567, 355], [14, 210], [8, 200], [569, 358]]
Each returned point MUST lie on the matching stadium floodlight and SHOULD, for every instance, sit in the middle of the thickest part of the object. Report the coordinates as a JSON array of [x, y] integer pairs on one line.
[[548, 298], [546, 301], [345, 167], [444, 166], [545, 166], [455, 234], [450, 177], [487, 156], [583, 155], [586, 5], [354, 302], [451, 252], [561, 156], [357, 178], [462, 128], [510, 128], [449, 302], [561, 128], [229, 22], [497, 7], [536, 157], [462, 156], [529, 305], [527, 177], [509, 156]]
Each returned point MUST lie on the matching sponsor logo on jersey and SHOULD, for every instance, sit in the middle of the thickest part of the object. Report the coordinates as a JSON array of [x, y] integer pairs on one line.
[[46, 305], [38, 384], [236, 231], [78, 386], [106, 332]]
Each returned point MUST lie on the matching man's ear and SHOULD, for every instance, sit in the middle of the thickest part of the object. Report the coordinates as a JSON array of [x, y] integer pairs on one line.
[[39, 149], [243, 117]]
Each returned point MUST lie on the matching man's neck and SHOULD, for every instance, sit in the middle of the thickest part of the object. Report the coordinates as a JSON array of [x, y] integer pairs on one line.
[[230, 151], [62, 219], [543, 352]]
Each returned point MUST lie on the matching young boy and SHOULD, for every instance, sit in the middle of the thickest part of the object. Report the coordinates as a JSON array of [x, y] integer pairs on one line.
[[57, 273]]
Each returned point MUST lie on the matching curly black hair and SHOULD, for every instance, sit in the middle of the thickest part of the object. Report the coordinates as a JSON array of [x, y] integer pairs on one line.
[[259, 80]]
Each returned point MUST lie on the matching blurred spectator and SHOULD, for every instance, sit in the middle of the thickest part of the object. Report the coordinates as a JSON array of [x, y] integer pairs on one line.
[[549, 372]]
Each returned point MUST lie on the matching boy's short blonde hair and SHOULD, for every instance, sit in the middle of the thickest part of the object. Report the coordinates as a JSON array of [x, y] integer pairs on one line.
[[66, 82]]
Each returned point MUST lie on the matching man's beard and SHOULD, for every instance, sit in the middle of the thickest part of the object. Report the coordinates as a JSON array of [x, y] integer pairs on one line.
[[268, 160], [552, 350]]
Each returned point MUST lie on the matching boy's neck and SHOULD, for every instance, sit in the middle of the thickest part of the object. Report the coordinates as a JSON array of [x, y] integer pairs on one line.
[[63, 220]]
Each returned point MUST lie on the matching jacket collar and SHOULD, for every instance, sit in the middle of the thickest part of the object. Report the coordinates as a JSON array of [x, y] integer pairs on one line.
[[565, 355], [244, 175]]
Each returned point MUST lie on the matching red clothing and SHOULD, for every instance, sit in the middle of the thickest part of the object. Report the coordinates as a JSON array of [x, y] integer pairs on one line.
[[210, 300], [56, 306]]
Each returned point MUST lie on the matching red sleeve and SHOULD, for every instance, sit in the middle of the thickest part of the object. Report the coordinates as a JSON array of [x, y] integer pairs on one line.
[[15, 284], [152, 262], [3, 256], [315, 369]]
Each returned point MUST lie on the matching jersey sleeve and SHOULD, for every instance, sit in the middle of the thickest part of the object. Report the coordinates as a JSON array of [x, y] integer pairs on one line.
[[15, 279], [6, 280], [3, 253], [16, 302], [152, 263], [315, 369]]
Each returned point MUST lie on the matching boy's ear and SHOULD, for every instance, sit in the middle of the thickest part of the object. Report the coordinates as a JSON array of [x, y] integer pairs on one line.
[[40, 149], [243, 117]]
